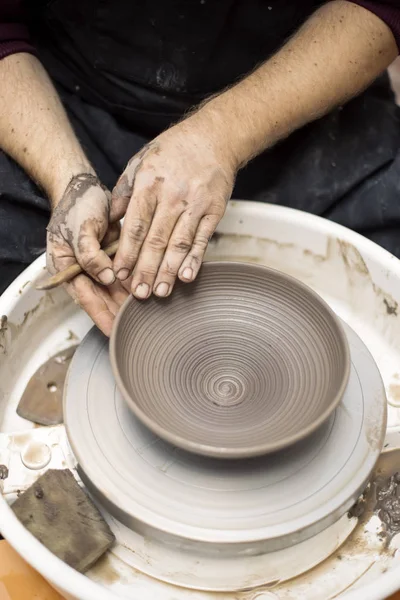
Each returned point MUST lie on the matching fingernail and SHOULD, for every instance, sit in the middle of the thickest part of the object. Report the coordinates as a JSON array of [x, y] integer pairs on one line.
[[123, 274], [162, 289], [187, 273], [142, 290], [106, 276]]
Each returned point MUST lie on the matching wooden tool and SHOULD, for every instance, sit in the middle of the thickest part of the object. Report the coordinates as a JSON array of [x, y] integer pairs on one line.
[[72, 271]]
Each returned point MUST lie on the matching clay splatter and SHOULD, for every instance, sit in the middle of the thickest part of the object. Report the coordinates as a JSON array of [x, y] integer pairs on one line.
[[391, 307], [3, 472], [388, 504]]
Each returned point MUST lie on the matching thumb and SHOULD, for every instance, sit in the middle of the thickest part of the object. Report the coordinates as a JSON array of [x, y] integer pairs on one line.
[[93, 259], [123, 189], [120, 198]]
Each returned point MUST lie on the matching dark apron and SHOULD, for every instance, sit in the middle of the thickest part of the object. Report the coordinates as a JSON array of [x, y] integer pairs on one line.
[[146, 62]]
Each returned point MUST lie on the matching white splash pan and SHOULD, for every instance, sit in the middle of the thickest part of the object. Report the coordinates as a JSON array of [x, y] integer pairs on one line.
[[360, 281]]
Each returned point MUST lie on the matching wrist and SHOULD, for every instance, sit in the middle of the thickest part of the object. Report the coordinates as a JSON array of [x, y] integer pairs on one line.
[[213, 125], [223, 122], [62, 175], [241, 123]]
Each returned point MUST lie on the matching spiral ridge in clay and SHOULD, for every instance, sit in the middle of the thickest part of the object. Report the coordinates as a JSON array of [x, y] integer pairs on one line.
[[244, 361]]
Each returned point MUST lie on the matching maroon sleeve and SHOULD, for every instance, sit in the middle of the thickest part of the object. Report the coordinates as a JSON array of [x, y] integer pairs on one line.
[[14, 34], [388, 11]]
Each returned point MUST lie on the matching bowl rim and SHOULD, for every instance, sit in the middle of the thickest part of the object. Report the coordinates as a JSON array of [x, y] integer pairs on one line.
[[239, 452]]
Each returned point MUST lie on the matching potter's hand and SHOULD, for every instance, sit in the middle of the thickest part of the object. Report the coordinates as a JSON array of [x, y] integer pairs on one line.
[[174, 193], [79, 224]]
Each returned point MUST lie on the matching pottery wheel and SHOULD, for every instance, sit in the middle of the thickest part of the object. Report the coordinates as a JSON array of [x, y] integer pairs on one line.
[[208, 505]]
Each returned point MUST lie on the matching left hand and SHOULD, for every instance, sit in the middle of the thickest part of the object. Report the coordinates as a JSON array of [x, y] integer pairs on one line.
[[78, 227], [174, 192]]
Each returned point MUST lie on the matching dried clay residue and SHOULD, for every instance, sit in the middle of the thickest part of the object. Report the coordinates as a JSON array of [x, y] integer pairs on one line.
[[104, 572], [391, 306], [71, 336], [388, 504], [355, 263], [382, 498], [356, 268], [20, 440], [394, 393], [360, 508], [3, 331]]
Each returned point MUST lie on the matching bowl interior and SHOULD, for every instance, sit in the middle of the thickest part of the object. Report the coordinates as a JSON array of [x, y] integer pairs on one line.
[[244, 361]]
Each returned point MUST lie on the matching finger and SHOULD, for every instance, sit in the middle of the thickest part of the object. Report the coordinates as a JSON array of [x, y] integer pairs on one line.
[[192, 263], [112, 234], [123, 189], [92, 258], [118, 293], [134, 230], [152, 252], [95, 300], [121, 196], [179, 246], [127, 284]]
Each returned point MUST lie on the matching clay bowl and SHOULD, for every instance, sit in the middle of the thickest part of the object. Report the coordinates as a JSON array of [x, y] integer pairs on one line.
[[242, 362]]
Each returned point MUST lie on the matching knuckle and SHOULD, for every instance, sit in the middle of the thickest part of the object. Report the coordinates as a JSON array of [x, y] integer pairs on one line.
[[157, 241], [136, 230], [148, 272], [178, 198], [89, 261], [195, 257], [168, 270], [177, 189], [201, 241], [182, 246], [126, 260]]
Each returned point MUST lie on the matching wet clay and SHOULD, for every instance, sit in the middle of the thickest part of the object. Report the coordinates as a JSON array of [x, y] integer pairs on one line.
[[382, 496], [213, 350], [79, 189], [388, 504], [3, 472]]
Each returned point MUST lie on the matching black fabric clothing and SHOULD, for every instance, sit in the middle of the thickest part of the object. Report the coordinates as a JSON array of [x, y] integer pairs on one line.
[[24, 210], [147, 62], [344, 167], [127, 70]]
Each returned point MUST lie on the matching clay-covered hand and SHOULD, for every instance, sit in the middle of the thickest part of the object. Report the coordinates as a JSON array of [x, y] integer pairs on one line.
[[174, 193], [78, 227]]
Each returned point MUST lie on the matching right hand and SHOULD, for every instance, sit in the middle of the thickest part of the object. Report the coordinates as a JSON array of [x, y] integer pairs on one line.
[[79, 226]]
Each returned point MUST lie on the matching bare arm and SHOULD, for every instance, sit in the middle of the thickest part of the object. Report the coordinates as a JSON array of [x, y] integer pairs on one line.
[[176, 190], [34, 128], [338, 52], [36, 133]]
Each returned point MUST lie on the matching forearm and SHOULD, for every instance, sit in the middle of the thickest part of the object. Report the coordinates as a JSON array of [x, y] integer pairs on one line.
[[338, 52], [34, 128]]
